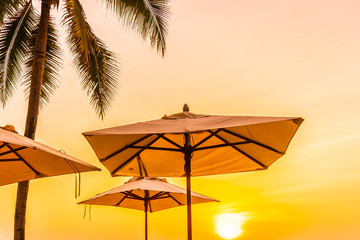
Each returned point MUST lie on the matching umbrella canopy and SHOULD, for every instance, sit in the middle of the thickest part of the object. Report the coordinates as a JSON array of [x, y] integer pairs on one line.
[[218, 144], [146, 194], [158, 193], [188, 144], [22, 158]]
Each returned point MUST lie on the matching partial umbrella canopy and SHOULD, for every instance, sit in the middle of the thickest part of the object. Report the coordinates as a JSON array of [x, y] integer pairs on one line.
[[22, 159], [148, 195]]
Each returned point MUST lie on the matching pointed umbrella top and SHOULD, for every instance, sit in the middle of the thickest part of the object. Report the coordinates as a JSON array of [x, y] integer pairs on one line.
[[184, 114], [133, 179], [10, 128], [186, 108]]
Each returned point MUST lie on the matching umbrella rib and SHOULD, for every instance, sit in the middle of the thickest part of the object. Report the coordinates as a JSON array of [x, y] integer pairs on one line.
[[221, 145], [10, 160], [149, 202], [135, 196], [124, 148], [139, 165], [162, 197], [127, 193], [157, 195], [143, 166], [175, 199], [3, 145], [12, 150], [241, 151], [170, 141], [132, 197], [157, 148], [133, 156], [23, 160], [253, 141], [207, 138]]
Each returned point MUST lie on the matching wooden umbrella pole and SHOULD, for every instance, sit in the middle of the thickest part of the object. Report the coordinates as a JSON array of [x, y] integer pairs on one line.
[[146, 225], [146, 214], [188, 197], [188, 182]]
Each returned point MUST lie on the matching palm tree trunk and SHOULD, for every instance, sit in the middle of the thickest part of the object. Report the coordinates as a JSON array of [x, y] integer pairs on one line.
[[33, 112]]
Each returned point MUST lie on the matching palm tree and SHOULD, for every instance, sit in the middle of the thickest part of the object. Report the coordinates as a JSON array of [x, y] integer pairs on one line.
[[30, 53]]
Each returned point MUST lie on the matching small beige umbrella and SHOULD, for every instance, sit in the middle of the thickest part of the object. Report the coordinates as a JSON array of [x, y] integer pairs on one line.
[[22, 158], [205, 144], [146, 194]]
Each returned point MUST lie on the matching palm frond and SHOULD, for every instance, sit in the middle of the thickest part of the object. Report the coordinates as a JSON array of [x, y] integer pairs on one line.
[[14, 36], [55, 3], [148, 17], [8, 7], [53, 63], [97, 66]]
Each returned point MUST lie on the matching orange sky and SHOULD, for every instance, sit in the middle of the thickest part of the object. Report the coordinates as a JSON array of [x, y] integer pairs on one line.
[[277, 58]]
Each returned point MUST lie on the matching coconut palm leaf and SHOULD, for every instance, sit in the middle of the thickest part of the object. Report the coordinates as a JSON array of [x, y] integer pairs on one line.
[[55, 3], [147, 17], [53, 63], [14, 36], [97, 65], [8, 7]]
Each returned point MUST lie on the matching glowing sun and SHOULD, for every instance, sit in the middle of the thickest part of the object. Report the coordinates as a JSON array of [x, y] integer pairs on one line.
[[229, 225]]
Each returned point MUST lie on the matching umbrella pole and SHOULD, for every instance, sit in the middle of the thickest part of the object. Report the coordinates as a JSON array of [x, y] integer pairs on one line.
[[146, 225], [188, 196], [188, 183], [146, 214]]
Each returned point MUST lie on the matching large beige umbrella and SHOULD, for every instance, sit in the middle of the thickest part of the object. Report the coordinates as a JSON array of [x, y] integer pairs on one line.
[[209, 144], [146, 194], [22, 158]]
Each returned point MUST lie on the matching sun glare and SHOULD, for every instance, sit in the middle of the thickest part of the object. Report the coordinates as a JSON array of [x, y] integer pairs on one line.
[[229, 225]]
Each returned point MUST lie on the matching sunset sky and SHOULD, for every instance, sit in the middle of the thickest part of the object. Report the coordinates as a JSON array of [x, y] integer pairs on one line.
[[296, 58]]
